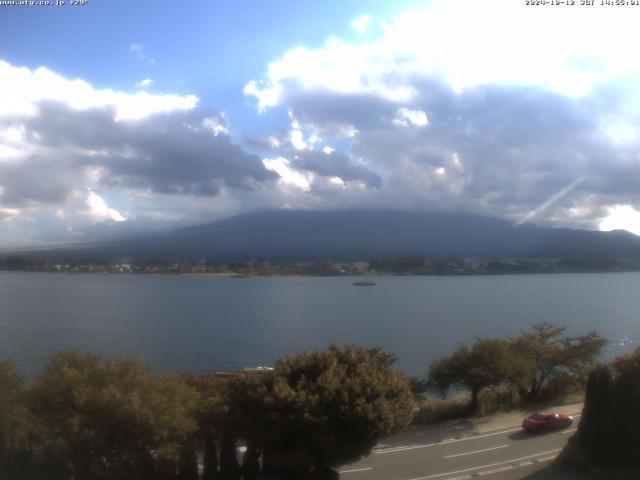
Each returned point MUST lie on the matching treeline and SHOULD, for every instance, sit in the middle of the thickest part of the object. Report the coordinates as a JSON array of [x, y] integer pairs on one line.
[[84, 418], [541, 364], [376, 266], [608, 434]]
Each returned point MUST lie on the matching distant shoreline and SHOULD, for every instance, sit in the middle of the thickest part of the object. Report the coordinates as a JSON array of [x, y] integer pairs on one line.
[[310, 275]]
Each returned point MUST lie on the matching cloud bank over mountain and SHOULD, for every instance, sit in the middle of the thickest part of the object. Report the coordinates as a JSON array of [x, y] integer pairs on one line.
[[466, 108]]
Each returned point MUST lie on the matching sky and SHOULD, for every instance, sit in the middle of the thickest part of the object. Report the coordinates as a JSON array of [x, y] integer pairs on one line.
[[124, 117]]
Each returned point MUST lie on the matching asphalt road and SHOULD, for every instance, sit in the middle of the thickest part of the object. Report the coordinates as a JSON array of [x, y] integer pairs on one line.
[[496, 446]]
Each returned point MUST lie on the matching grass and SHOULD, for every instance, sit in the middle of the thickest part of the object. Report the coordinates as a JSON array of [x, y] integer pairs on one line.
[[434, 410]]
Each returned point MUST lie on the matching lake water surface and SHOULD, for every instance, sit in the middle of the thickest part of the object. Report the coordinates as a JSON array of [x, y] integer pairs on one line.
[[198, 323]]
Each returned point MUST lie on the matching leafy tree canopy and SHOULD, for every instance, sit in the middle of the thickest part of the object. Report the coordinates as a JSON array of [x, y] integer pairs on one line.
[[489, 362], [546, 352], [326, 408], [107, 419]]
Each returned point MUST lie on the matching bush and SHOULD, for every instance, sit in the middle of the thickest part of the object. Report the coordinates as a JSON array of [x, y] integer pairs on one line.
[[432, 410]]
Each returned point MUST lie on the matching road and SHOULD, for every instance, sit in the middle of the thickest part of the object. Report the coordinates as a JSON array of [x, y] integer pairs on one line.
[[490, 446]]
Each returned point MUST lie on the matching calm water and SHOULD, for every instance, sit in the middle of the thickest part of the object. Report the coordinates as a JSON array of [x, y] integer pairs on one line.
[[207, 324]]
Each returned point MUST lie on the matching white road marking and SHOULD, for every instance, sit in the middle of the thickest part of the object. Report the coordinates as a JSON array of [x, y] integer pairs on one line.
[[569, 431], [495, 470], [476, 451], [353, 470], [443, 442], [545, 459], [382, 451], [480, 467]]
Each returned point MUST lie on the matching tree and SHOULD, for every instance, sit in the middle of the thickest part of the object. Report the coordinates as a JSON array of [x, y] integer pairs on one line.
[[110, 419], [210, 458], [489, 362], [213, 417], [608, 430], [229, 467], [12, 415], [188, 466], [545, 353], [326, 408]]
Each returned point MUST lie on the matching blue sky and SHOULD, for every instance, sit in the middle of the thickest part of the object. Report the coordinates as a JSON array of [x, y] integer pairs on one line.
[[118, 117], [206, 47]]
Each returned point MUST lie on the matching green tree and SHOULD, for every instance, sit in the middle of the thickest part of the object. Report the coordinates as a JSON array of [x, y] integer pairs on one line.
[[545, 353], [321, 409], [213, 417], [489, 362], [110, 419], [13, 415]]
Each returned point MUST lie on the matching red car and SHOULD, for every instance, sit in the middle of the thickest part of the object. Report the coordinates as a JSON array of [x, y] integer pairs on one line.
[[546, 420]]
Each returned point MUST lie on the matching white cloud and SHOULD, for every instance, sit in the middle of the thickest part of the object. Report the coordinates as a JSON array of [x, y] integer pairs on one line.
[[621, 217], [296, 137], [466, 43], [361, 23], [215, 125], [100, 212], [327, 149], [160, 157], [406, 117], [22, 88], [139, 51], [339, 67], [288, 175], [147, 82]]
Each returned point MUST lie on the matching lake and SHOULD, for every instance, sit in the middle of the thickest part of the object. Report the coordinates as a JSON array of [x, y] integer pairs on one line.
[[199, 323]]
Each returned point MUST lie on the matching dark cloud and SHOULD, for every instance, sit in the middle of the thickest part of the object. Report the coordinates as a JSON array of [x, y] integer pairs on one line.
[[36, 179], [498, 150], [334, 112], [169, 153], [335, 164]]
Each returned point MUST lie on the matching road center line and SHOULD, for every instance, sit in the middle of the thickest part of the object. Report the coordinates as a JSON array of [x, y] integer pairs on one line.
[[476, 451], [443, 442], [449, 440], [354, 470], [480, 467]]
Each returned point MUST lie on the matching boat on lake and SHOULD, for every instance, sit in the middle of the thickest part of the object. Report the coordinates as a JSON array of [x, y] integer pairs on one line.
[[364, 283]]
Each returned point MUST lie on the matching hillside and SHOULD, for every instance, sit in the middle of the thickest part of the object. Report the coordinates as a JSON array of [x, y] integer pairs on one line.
[[361, 235]]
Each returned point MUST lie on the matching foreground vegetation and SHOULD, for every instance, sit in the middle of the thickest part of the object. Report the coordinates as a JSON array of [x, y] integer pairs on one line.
[[608, 434], [87, 419], [84, 418], [541, 364]]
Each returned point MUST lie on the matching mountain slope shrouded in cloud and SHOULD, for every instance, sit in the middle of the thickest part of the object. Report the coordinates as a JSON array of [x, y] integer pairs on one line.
[[361, 235], [167, 119]]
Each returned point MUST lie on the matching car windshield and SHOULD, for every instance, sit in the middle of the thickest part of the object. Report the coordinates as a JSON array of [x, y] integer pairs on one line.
[[539, 416]]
